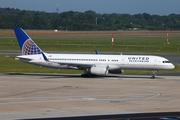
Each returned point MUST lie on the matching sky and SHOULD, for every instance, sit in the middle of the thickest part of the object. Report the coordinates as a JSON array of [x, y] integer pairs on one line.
[[158, 7]]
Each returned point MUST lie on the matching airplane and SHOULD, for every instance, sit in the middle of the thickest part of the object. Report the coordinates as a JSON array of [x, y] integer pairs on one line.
[[92, 64]]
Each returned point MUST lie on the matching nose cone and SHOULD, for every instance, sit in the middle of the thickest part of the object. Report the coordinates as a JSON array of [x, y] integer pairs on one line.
[[171, 66]]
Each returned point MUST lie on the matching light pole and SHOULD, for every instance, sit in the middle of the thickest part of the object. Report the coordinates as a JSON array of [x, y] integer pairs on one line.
[[96, 20]]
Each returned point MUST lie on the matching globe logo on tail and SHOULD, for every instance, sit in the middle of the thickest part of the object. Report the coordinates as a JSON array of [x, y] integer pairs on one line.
[[30, 48]]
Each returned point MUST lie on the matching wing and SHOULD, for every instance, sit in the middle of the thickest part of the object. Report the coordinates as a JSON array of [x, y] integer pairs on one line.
[[75, 65], [69, 64]]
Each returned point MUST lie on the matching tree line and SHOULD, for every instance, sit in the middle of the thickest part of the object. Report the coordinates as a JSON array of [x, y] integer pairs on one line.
[[88, 20]]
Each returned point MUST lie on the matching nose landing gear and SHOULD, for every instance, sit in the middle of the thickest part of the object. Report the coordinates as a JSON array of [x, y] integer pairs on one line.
[[154, 74]]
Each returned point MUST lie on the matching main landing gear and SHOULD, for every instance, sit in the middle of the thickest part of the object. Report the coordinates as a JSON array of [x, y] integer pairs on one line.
[[154, 74], [87, 73]]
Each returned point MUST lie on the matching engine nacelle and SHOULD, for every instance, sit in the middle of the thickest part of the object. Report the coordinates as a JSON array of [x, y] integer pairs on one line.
[[99, 70], [116, 71]]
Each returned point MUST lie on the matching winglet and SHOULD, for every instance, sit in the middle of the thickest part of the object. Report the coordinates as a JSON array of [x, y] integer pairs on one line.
[[26, 44], [96, 51], [45, 58]]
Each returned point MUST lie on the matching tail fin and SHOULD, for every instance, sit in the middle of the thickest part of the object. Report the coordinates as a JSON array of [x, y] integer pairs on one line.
[[26, 44]]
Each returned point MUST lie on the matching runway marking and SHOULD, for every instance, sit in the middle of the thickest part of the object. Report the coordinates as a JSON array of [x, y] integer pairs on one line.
[[96, 97], [89, 99], [156, 94]]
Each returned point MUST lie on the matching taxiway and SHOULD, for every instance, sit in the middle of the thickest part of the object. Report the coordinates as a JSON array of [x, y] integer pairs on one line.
[[26, 96]]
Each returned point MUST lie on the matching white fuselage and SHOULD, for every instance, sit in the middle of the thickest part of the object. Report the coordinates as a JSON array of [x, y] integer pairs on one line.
[[112, 61]]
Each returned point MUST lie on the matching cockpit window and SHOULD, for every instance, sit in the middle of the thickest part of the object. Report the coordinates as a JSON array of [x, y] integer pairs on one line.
[[165, 61]]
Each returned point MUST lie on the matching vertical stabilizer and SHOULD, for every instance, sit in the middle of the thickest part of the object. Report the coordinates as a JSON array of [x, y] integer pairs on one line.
[[26, 44]]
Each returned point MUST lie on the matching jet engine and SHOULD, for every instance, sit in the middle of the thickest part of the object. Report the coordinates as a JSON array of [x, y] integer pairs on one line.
[[99, 70]]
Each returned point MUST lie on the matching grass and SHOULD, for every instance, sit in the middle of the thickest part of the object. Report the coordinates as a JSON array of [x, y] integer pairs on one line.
[[126, 44], [10, 32]]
